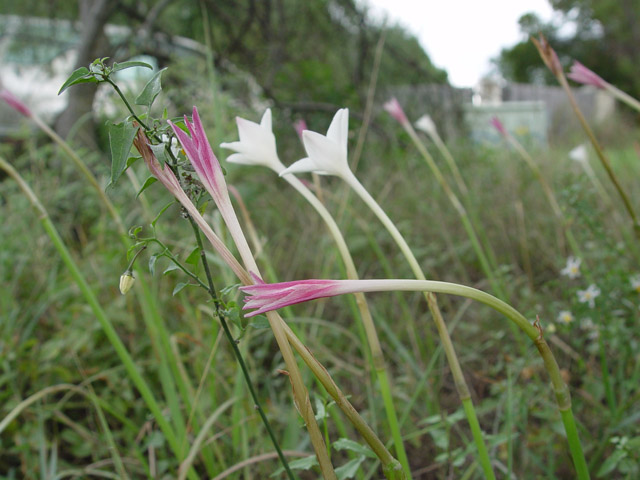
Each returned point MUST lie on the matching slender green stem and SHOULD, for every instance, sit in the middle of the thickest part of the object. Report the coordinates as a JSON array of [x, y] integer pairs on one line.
[[99, 313], [432, 302], [534, 332], [623, 96], [476, 431], [236, 351]]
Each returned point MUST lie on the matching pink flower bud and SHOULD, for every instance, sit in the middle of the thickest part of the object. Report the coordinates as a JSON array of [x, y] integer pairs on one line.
[[581, 74], [14, 102], [394, 108], [497, 124], [300, 125]]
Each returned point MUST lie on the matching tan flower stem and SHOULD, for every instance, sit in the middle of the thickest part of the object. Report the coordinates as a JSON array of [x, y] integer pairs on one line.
[[100, 315], [496, 285], [432, 302], [377, 357], [392, 468], [604, 160], [300, 393]]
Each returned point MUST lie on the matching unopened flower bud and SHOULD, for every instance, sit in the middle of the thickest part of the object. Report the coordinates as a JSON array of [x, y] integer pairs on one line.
[[126, 282]]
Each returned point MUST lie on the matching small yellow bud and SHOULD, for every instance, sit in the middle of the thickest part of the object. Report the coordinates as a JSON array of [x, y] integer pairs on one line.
[[126, 282]]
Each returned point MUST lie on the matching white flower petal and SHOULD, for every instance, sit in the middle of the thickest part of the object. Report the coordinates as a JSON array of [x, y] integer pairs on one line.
[[266, 120], [339, 128], [301, 166]]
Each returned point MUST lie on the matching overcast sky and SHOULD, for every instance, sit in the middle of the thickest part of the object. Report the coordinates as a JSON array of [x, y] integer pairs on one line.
[[461, 36]]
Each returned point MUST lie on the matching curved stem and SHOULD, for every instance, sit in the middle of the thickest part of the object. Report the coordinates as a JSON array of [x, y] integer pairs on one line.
[[432, 302], [534, 332]]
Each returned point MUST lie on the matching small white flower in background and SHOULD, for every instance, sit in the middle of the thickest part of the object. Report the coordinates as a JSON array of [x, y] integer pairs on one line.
[[579, 154], [589, 295], [425, 124], [551, 328], [565, 316], [175, 148], [327, 153], [572, 269], [635, 283], [257, 145]]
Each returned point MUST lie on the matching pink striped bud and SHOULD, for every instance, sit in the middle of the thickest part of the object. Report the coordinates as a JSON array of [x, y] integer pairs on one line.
[[15, 103], [394, 108], [581, 74]]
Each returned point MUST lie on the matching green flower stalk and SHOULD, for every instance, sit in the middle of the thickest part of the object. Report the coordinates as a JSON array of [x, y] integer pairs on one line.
[[257, 146], [263, 297], [328, 156]]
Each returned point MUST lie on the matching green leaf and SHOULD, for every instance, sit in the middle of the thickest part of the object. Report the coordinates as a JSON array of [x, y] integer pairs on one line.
[[132, 159], [152, 264], [611, 463], [150, 90], [160, 152], [349, 469], [153, 223], [193, 257], [120, 140], [80, 75], [147, 183], [170, 268], [179, 287], [259, 322], [301, 464], [135, 230], [321, 413], [124, 65], [347, 444]]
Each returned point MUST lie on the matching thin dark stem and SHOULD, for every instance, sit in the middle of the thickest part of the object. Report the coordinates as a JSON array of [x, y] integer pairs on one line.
[[126, 102], [234, 345]]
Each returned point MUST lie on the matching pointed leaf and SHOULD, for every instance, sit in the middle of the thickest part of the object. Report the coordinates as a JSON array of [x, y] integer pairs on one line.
[[152, 264], [80, 75], [194, 257], [120, 141], [160, 152], [349, 469], [151, 90], [147, 183], [124, 65], [164, 209], [301, 464], [347, 444], [179, 287], [170, 268]]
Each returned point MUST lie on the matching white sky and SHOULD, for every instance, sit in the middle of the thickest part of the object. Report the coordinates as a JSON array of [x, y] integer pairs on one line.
[[461, 36]]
